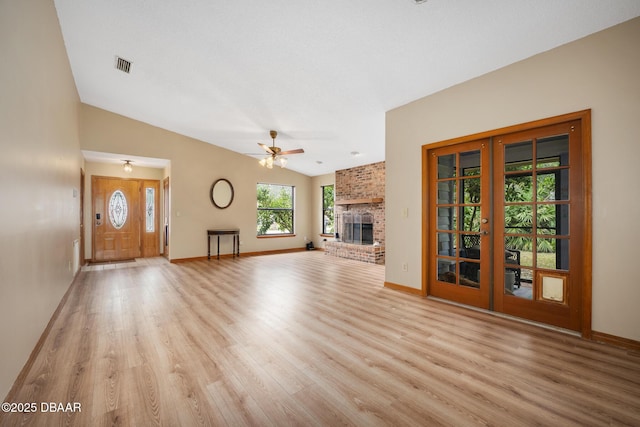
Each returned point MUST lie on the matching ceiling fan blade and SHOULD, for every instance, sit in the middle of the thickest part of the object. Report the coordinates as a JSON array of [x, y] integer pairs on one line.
[[266, 148], [296, 151]]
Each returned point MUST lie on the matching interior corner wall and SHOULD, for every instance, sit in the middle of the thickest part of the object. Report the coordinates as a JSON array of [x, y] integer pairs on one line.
[[598, 72], [39, 178], [195, 165]]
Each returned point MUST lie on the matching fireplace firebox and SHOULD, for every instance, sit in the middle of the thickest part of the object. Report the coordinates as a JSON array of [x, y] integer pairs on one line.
[[357, 228]]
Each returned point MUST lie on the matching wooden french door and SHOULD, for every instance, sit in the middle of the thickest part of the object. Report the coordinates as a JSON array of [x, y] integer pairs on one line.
[[508, 223], [539, 224], [459, 180], [116, 218]]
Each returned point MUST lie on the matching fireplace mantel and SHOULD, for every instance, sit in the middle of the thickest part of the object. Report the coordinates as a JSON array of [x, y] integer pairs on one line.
[[359, 201]]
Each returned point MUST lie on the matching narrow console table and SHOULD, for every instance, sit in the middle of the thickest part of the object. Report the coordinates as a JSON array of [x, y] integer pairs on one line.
[[231, 232]]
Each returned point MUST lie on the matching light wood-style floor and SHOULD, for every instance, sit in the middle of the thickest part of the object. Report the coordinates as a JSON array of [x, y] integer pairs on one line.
[[311, 340]]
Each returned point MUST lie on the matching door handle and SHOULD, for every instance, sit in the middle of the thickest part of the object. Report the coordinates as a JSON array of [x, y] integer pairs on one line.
[[484, 232]]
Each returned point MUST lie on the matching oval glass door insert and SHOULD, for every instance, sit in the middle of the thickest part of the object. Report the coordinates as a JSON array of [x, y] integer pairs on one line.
[[118, 209]]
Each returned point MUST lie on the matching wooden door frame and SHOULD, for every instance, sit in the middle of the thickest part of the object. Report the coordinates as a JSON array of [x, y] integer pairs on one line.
[[584, 117], [166, 215], [82, 260]]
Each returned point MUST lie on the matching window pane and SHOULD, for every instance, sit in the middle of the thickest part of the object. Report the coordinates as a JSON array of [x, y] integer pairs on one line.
[[327, 210], [150, 210], [275, 196], [447, 166], [518, 157], [275, 209], [552, 151]]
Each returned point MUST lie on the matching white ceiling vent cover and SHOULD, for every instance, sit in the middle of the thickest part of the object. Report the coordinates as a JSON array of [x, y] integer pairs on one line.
[[123, 65]]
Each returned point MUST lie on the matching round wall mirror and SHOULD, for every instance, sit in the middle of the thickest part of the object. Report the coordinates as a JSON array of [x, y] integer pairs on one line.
[[222, 193]]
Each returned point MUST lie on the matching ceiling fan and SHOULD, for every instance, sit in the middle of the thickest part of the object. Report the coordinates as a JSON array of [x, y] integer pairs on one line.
[[275, 153]]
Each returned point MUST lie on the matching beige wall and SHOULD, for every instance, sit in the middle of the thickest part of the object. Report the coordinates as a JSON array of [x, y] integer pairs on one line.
[[317, 182], [599, 72], [195, 165], [39, 177]]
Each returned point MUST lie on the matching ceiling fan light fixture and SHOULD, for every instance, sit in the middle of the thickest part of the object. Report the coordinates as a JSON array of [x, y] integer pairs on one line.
[[127, 167], [276, 155]]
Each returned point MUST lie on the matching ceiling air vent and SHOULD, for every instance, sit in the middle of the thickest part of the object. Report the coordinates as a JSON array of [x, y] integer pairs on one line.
[[123, 64]]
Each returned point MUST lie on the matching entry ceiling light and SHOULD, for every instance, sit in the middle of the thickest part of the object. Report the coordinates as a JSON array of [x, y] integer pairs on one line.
[[127, 166], [275, 153]]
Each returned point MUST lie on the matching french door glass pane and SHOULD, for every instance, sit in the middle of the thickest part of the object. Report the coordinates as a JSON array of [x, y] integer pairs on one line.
[[471, 190], [447, 244], [519, 156], [553, 254], [470, 163], [518, 188], [447, 218], [470, 274], [470, 246], [446, 192], [446, 270], [518, 219], [553, 185], [447, 166], [553, 219], [552, 151], [471, 218]]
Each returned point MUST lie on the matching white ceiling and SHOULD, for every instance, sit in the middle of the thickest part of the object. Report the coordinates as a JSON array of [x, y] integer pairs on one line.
[[321, 73]]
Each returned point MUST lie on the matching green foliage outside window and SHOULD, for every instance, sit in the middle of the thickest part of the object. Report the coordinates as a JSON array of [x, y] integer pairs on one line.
[[275, 209], [519, 218], [328, 225]]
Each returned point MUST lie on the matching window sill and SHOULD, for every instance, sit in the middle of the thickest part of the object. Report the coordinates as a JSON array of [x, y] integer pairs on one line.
[[327, 235], [275, 236]]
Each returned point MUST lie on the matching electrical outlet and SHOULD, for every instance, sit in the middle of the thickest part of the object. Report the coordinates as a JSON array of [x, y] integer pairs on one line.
[[405, 266]]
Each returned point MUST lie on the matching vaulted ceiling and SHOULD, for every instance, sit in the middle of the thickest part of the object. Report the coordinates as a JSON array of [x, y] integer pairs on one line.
[[322, 73]]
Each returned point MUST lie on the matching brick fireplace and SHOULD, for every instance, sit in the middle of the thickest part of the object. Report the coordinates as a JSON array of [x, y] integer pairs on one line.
[[359, 213]]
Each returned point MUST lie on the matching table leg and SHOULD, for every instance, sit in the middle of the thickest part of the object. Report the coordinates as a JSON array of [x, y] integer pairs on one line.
[[208, 246], [218, 246]]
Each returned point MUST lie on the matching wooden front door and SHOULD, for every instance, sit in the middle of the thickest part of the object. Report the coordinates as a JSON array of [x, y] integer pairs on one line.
[[508, 224], [116, 218]]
